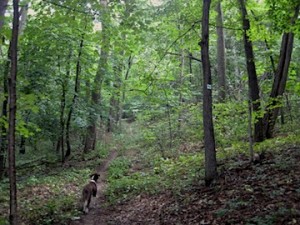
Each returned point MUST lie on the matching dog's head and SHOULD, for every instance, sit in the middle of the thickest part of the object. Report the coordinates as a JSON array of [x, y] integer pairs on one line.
[[95, 176]]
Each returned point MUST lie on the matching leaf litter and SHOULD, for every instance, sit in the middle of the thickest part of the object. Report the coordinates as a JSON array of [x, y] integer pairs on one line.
[[264, 193]]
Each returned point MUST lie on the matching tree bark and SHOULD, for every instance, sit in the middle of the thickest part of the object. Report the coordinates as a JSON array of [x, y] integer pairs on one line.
[[221, 68], [13, 215], [3, 129], [64, 86], [209, 138], [23, 18], [62, 122], [115, 99], [180, 96], [252, 76], [75, 96], [90, 141], [280, 79]]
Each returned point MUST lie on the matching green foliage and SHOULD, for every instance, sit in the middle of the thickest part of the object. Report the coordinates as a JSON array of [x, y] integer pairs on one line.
[[166, 174], [162, 93], [276, 143], [164, 128], [185, 166], [51, 199], [126, 187], [118, 168], [100, 153], [281, 212], [229, 123], [53, 211], [231, 206]]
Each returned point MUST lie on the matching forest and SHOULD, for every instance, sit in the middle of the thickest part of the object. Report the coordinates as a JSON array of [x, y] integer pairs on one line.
[[187, 110]]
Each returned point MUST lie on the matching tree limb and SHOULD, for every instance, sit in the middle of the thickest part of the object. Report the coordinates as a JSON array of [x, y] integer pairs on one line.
[[190, 56]]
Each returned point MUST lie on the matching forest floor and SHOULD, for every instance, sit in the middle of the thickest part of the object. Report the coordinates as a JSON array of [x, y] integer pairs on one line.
[[245, 193], [95, 214]]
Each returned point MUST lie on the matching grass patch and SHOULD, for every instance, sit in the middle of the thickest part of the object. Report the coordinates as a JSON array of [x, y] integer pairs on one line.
[[51, 199], [166, 174]]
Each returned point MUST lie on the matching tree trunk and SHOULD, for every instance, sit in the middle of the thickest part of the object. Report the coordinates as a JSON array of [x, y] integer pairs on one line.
[[221, 68], [3, 129], [23, 18], [280, 79], [13, 216], [22, 145], [209, 138], [3, 6], [250, 135], [62, 122], [115, 99], [90, 138], [64, 86], [237, 84], [91, 135], [252, 77], [123, 97], [75, 96], [180, 96]]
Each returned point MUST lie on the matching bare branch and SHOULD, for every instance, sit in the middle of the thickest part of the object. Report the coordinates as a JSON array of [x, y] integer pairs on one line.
[[190, 56]]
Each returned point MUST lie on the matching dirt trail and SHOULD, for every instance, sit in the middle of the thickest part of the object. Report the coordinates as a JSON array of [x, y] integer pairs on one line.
[[94, 217]]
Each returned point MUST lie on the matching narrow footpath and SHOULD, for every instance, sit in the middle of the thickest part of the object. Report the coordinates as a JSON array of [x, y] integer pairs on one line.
[[94, 216]]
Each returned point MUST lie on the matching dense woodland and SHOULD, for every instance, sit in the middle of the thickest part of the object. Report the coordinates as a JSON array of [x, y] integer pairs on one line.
[[194, 105]]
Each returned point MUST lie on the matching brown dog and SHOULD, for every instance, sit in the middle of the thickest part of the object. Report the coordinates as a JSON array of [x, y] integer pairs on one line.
[[89, 190]]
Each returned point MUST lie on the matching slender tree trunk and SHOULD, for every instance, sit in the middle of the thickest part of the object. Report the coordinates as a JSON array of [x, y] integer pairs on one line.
[[22, 149], [13, 216], [252, 77], [280, 79], [3, 6], [238, 87], [190, 66], [250, 135], [23, 18], [221, 68], [115, 99], [4, 116], [289, 107], [209, 137], [129, 64], [76, 93], [62, 122], [91, 135], [88, 140], [63, 106], [180, 97], [123, 90], [22, 145]]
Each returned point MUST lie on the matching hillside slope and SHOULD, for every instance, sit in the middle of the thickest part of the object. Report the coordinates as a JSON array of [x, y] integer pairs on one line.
[[265, 193]]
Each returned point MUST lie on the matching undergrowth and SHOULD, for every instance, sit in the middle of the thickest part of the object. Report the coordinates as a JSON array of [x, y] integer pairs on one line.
[[179, 172], [166, 174], [48, 199], [50, 194]]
